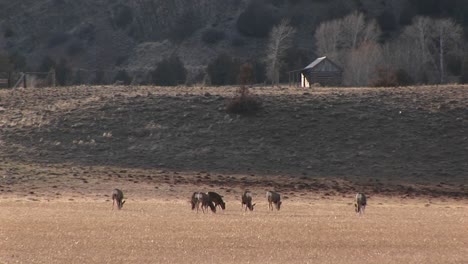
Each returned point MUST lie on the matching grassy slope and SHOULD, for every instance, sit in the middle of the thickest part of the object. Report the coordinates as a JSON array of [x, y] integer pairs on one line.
[[403, 141]]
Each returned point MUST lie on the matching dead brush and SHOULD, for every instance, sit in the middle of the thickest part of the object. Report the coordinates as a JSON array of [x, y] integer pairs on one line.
[[243, 103]]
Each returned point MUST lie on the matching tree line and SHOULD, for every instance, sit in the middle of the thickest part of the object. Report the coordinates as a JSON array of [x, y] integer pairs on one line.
[[426, 51], [429, 50]]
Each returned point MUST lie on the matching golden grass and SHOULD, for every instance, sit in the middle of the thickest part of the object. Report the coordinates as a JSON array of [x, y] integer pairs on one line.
[[160, 231]]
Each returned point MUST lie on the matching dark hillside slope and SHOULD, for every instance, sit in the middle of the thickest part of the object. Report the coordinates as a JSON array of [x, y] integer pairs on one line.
[[414, 132], [135, 35]]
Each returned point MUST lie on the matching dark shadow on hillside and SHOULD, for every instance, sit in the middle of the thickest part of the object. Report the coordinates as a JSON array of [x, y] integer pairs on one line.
[[311, 135]]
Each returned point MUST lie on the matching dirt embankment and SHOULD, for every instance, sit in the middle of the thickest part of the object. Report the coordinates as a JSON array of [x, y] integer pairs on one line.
[[405, 141]]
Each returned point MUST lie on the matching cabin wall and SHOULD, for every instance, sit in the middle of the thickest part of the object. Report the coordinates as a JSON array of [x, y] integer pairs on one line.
[[304, 81]]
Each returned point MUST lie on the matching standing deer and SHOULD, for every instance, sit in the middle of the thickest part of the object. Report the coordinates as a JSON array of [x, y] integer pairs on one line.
[[360, 203], [273, 198], [217, 200], [117, 197], [247, 201], [202, 199]]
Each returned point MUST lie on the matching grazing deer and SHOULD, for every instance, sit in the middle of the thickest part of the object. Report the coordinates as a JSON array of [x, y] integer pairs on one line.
[[117, 197], [202, 199], [247, 201], [273, 198], [217, 200], [360, 203]]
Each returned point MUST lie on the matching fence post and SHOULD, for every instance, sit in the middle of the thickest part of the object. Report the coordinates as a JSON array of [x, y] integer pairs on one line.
[[24, 80], [9, 79]]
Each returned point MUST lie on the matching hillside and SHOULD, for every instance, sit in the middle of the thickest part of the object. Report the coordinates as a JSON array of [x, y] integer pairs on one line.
[[391, 141], [104, 35]]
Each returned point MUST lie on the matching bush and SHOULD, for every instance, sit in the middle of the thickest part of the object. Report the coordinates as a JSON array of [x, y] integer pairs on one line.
[[169, 72], [246, 74], [257, 20], [5, 63], [224, 70], [212, 36], [75, 48], [238, 42], [244, 103], [18, 61], [62, 72], [123, 16], [121, 60], [86, 31], [99, 78], [260, 71], [47, 64], [8, 33], [391, 78], [123, 77], [185, 26], [57, 39]]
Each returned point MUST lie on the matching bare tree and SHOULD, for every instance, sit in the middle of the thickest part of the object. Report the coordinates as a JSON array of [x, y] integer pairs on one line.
[[355, 31], [362, 63], [327, 37], [416, 40], [350, 41], [447, 34], [422, 47], [280, 41]]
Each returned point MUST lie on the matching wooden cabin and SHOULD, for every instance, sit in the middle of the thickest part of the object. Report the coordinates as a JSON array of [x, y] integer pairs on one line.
[[322, 71]]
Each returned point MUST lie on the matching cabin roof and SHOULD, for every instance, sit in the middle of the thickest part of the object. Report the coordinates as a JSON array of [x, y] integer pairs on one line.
[[318, 61]]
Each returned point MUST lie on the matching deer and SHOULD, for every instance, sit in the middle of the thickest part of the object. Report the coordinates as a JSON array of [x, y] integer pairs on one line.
[[360, 203], [202, 199], [217, 200], [247, 201], [117, 198], [273, 198]]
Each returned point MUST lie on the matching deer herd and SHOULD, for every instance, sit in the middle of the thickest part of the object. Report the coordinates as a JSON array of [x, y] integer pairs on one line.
[[201, 200]]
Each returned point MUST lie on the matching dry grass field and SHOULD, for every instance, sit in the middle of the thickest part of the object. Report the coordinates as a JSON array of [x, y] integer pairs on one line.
[[63, 150], [158, 231]]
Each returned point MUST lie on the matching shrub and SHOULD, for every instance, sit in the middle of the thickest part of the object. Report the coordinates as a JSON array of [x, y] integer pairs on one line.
[[62, 72], [121, 60], [122, 76], [391, 78], [86, 31], [5, 63], [224, 70], [47, 64], [212, 36], [123, 16], [257, 20], [78, 77], [75, 48], [260, 71], [169, 72], [454, 64], [244, 103], [57, 39], [99, 78], [246, 74], [18, 61], [185, 26], [238, 42], [8, 33]]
